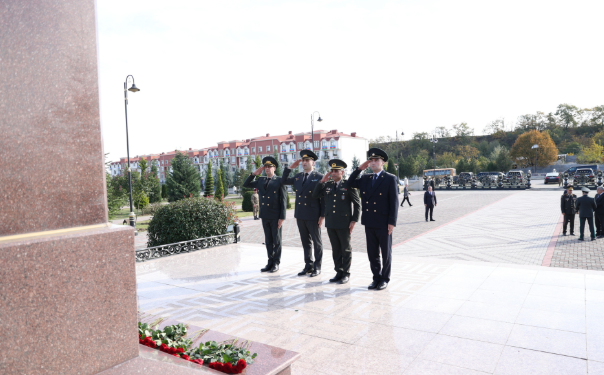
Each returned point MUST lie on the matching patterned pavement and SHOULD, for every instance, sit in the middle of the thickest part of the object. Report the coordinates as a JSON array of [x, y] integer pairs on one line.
[[572, 253], [436, 316]]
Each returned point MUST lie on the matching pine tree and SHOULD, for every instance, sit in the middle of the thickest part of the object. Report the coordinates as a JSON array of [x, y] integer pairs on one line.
[[278, 171], [355, 163], [219, 194], [155, 185], [183, 181], [164, 191], [223, 178], [209, 191], [258, 164], [289, 204]]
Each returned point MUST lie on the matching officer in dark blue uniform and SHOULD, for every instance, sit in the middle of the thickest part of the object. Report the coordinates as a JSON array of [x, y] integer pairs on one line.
[[309, 212], [379, 200], [342, 210], [273, 203]]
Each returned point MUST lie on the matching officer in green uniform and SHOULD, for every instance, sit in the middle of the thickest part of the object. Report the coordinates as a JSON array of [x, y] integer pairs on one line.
[[568, 203], [273, 203], [342, 210]]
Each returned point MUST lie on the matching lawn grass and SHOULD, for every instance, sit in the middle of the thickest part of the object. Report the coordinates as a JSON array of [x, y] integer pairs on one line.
[[142, 226]]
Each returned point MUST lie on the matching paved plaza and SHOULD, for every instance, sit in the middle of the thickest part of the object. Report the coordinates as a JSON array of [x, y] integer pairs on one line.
[[436, 316], [491, 287]]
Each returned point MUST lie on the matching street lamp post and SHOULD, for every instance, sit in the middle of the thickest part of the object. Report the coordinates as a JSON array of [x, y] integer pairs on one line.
[[434, 142], [535, 146], [133, 88], [312, 129]]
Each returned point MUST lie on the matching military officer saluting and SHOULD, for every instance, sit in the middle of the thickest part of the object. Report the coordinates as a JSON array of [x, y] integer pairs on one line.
[[342, 206], [379, 200], [309, 211], [273, 203]]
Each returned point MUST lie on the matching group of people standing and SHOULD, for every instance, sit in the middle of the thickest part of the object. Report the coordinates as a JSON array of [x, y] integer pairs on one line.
[[338, 202], [587, 208]]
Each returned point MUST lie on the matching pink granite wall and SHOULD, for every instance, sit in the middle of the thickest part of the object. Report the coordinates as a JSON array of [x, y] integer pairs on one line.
[[68, 299], [51, 152], [68, 303]]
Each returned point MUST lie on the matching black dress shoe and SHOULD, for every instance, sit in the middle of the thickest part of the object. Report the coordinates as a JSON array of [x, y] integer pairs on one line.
[[344, 280], [581, 239], [275, 268], [564, 234], [373, 285], [267, 268], [432, 220], [315, 273], [337, 277], [382, 285], [593, 239], [410, 205], [426, 220], [305, 271], [572, 234]]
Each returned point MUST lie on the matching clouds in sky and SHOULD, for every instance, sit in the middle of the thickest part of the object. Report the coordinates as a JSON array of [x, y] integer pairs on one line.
[[221, 70]]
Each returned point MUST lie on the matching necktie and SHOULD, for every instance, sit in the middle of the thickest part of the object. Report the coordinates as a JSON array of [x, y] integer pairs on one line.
[[304, 180], [375, 177], [266, 184]]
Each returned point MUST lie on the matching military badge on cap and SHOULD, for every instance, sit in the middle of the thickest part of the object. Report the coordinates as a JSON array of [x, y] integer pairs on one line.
[[337, 164], [375, 152], [270, 161], [307, 154]]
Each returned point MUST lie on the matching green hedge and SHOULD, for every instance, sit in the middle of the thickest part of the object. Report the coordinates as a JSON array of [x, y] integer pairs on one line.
[[246, 204], [189, 219]]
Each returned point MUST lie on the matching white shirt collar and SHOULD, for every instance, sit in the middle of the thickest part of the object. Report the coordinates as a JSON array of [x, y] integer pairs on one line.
[[378, 174]]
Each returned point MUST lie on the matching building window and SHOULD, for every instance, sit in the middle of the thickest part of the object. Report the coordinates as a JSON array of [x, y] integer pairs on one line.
[[333, 144], [316, 144], [300, 145], [253, 149], [259, 148], [291, 147], [324, 144], [268, 148]]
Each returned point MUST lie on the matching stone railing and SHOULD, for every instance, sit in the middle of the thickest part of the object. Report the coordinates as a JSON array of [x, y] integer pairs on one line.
[[156, 252]]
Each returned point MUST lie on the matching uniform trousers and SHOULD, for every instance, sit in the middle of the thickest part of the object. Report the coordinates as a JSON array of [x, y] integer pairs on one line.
[[590, 222], [310, 234], [599, 224], [569, 218], [406, 198], [341, 250], [272, 239], [379, 239]]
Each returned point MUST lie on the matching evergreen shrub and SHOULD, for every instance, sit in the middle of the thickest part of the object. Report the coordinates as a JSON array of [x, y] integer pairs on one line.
[[246, 204], [189, 219]]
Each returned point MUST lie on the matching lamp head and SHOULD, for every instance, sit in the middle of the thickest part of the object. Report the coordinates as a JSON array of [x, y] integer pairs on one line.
[[134, 88], [319, 119]]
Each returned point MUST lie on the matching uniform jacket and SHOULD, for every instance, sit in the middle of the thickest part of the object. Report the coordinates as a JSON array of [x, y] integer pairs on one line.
[[379, 204], [273, 200], [341, 206], [600, 204], [255, 200], [405, 192], [430, 200], [307, 207], [568, 204], [586, 206]]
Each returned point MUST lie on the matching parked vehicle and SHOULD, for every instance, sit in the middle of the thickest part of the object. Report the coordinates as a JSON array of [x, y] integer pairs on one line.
[[552, 177], [572, 170], [584, 176], [515, 177]]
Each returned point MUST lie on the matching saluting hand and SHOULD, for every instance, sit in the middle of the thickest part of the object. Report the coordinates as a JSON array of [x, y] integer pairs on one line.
[[258, 171], [325, 178], [295, 164], [364, 165]]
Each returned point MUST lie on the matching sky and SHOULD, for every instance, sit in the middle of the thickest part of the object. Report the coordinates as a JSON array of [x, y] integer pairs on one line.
[[213, 71]]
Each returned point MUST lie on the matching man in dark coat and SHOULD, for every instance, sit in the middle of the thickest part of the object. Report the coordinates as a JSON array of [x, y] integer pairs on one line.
[[600, 212], [273, 203], [568, 205], [429, 202], [309, 211], [586, 207], [379, 200], [406, 195], [340, 216]]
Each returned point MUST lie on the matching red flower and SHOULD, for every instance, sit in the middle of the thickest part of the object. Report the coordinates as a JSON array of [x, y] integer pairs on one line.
[[180, 350], [184, 356], [198, 361], [241, 364]]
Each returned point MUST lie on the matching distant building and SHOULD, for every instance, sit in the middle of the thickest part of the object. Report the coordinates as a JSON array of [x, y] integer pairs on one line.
[[327, 145]]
